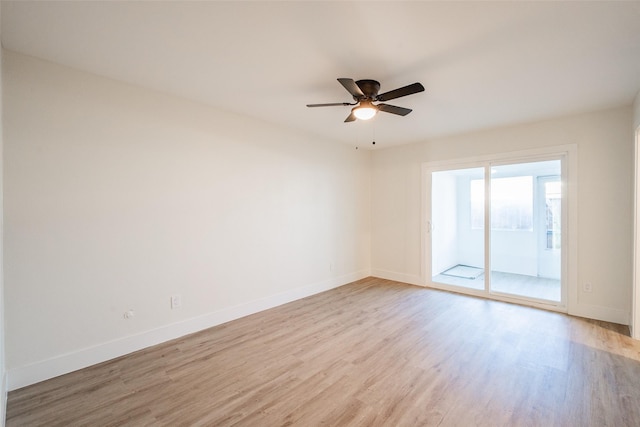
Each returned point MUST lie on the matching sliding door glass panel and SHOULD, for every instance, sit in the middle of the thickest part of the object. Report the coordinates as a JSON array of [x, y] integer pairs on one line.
[[457, 232], [550, 222], [525, 221]]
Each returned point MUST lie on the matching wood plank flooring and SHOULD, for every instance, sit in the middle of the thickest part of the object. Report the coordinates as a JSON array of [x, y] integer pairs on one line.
[[371, 353], [539, 288]]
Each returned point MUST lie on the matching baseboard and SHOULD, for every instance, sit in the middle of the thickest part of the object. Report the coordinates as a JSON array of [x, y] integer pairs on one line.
[[634, 332], [597, 312], [3, 403], [398, 277], [30, 374]]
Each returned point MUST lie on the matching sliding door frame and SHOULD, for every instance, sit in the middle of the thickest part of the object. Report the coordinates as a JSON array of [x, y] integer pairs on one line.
[[568, 155]]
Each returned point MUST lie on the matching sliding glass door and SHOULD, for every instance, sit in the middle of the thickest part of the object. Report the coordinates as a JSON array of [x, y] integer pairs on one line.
[[497, 229], [525, 230], [457, 228]]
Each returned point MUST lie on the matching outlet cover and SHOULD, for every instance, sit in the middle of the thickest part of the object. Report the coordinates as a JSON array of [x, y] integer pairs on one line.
[[176, 301]]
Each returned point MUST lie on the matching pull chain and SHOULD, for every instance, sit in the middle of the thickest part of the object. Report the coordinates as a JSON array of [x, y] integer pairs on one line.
[[373, 131]]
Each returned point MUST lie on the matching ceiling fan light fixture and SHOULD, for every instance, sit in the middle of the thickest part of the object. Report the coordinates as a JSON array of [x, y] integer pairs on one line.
[[365, 111], [365, 93]]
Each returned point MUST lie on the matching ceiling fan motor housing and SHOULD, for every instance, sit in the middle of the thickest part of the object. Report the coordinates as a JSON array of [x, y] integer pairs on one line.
[[369, 88]]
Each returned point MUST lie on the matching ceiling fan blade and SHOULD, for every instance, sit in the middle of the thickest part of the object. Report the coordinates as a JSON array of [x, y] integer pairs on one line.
[[332, 104], [403, 91], [351, 118], [393, 109], [351, 87]]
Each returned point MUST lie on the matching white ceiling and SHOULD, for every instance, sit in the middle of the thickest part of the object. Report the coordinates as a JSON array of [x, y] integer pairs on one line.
[[484, 64]]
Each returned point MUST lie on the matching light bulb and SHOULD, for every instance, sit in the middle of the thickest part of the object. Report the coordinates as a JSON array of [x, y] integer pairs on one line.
[[365, 111]]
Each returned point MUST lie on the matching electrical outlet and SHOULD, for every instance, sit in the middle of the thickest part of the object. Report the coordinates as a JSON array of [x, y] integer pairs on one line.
[[588, 287], [176, 301]]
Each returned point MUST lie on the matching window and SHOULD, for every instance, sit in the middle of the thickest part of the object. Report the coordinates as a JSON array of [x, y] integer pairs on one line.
[[553, 200], [511, 203]]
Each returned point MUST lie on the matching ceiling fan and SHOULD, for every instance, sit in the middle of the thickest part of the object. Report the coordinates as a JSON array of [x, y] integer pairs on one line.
[[365, 93]]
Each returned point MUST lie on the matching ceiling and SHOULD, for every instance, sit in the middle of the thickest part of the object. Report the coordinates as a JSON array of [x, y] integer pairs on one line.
[[483, 64]]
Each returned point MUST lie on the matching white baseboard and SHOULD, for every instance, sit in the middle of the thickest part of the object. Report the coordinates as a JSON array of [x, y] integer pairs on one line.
[[635, 333], [398, 277], [30, 374], [3, 403], [597, 312]]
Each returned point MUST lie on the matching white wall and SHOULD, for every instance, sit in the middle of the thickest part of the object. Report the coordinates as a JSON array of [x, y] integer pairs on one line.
[[445, 234], [3, 374], [604, 190], [635, 320], [117, 198], [470, 241], [636, 111]]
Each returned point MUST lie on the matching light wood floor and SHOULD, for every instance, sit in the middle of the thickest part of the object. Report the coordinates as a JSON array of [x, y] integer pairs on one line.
[[371, 353]]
